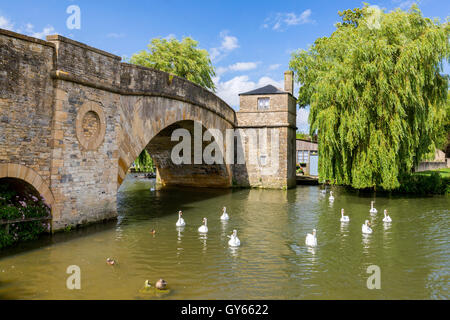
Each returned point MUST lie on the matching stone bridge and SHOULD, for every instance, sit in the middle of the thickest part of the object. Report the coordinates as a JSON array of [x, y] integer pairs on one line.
[[74, 118]]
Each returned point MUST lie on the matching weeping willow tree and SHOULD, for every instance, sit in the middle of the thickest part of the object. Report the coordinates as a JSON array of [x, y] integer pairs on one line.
[[376, 94], [144, 163]]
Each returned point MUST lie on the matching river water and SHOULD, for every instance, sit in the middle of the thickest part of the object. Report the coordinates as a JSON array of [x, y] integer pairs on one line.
[[273, 262]]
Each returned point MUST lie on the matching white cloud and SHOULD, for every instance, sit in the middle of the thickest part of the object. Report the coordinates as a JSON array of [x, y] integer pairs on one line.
[[6, 24], [404, 5], [238, 66], [228, 44], [281, 21], [27, 29], [229, 90], [274, 66], [302, 119], [243, 66], [42, 34]]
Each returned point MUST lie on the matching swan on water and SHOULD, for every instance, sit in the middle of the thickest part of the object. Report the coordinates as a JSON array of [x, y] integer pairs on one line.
[[366, 228], [331, 198], [311, 239], [180, 221], [234, 240], [203, 228], [344, 218], [324, 191], [372, 209], [386, 217], [224, 215]]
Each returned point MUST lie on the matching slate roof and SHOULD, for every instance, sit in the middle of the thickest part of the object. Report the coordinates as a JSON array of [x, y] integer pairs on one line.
[[269, 89]]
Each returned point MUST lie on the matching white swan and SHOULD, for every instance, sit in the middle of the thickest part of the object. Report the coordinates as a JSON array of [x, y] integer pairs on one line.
[[203, 228], [366, 228], [180, 221], [224, 215], [386, 217], [344, 218], [331, 198], [324, 191], [311, 239], [234, 240], [372, 209]]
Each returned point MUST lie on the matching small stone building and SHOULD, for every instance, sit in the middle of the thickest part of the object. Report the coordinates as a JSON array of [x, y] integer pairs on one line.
[[307, 156], [266, 121]]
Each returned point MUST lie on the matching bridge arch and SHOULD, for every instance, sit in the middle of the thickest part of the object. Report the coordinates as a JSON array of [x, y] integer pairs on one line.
[[24, 173], [147, 123]]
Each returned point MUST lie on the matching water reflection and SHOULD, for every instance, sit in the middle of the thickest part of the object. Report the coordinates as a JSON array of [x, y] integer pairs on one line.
[[273, 261]]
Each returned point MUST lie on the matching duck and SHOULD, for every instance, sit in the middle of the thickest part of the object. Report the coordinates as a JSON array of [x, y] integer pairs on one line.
[[331, 198], [386, 217], [147, 284], [224, 215], [366, 228], [153, 231], [152, 189], [311, 239], [234, 240], [344, 218], [372, 209], [180, 221], [161, 284], [324, 191], [110, 261], [203, 228]]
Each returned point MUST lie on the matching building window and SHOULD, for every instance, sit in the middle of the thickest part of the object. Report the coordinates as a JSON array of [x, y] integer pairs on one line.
[[263, 103], [263, 160], [302, 156]]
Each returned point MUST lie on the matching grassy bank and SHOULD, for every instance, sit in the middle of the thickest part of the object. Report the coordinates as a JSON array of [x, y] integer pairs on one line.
[[426, 182]]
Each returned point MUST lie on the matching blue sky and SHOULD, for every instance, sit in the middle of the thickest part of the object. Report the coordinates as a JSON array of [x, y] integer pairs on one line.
[[250, 41]]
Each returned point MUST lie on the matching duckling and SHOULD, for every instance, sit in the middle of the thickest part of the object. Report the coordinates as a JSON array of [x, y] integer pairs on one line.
[[161, 284]]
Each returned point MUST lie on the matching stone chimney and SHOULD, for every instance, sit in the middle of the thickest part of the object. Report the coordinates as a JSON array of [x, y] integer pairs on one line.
[[289, 81]]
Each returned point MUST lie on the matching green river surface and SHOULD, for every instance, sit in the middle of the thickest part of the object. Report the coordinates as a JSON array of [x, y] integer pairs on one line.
[[272, 262]]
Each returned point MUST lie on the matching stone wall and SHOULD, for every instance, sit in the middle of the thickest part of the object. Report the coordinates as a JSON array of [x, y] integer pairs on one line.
[[26, 102], [73, 119]]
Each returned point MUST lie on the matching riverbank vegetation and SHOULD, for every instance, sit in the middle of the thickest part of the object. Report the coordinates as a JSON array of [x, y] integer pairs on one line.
[[378, 98], [429, 182], [23, 214]]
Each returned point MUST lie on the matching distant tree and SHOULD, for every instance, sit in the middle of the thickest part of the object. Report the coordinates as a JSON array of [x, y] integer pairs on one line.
[[182, 59], [376, 93], [144, 163]]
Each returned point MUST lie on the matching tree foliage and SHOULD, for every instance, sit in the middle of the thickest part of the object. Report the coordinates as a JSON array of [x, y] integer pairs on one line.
[[144, 162], [182, 59], [376, 93]]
